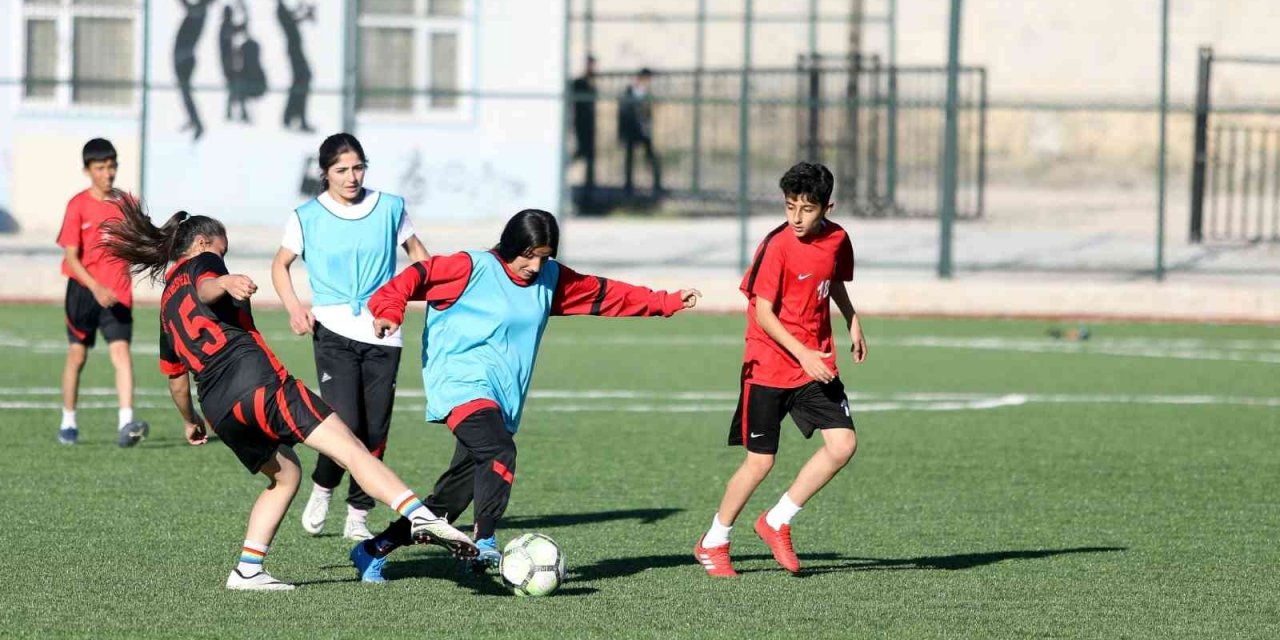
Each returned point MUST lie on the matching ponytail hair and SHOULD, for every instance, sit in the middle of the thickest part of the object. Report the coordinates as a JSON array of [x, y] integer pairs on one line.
[[527, 230], [147, 248]]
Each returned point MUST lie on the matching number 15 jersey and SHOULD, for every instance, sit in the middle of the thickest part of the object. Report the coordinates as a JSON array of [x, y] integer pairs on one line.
[[218, 343]]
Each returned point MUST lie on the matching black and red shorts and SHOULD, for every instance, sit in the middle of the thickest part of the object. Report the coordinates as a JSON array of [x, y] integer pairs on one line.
[[757, 424], [85, 317], [280, 413]]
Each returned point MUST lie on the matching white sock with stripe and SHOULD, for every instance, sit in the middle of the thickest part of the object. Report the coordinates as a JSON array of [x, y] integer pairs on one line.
[[252, 554], [717, 535]]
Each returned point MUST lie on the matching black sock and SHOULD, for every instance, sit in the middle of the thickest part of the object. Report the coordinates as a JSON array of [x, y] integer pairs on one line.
[[485, 527], [394, 537]]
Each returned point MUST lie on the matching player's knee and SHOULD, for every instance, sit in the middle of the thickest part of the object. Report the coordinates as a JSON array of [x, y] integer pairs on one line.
[[842, 446], [759, 463], [120, 353], [76, 356], [287, 477]]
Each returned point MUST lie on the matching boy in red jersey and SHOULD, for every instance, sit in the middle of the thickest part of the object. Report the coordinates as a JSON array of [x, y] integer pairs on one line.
[[789, 365], [99, 294]]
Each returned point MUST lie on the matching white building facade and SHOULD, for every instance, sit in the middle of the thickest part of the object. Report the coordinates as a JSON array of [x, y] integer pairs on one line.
[[457, 102]]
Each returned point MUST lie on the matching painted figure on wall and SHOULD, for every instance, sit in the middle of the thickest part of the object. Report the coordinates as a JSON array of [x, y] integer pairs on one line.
[[184, 59], [241, 61], [295, 110]]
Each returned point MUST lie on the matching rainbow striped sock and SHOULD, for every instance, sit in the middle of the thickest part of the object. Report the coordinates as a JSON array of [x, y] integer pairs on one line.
[[407, 504], [251, 556]]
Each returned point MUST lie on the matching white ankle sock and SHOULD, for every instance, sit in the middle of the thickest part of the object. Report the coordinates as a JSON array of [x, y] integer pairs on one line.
[[317, 490], [126, 416], [717, 535], [69, 418], [360, 515], [782, 513]]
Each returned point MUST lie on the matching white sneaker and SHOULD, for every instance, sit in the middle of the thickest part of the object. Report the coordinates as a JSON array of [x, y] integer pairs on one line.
[[356, 530], [314, 515], [438, 531], [260, 581]]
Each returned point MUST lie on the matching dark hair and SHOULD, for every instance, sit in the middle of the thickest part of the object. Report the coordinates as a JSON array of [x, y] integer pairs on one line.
[[809, 180], [645, 72], [148, 248], [526, 230], [334, 146], [98, 150]]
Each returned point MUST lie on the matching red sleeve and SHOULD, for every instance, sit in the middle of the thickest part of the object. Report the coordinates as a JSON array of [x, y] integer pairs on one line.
[[439, 280], [765, 277], [69, 235], [170, 364], [578, 295], [844, 260]]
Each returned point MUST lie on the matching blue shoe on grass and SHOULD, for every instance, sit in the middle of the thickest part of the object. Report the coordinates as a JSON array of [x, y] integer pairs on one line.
[[68, 435], [368, 566], [132, 433], [489, 555]]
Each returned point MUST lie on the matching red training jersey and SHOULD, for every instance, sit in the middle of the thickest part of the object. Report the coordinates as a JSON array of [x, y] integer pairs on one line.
[[440, 280], [796, 275], [81, 228], [217, 342]]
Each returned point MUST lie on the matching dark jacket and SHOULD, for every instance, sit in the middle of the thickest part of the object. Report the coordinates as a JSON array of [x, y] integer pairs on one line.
[[635, 115]]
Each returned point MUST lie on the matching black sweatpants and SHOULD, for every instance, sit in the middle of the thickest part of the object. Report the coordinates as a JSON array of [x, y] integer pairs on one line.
[[358, 380], [483, 468]]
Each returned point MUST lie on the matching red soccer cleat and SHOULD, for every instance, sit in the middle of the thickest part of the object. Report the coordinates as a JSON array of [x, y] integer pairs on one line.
[[715, 560], [779, 541]]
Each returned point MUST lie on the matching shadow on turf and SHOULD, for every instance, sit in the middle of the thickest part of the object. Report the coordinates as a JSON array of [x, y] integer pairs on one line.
[[645, 516], [818, 563], [443, 567]]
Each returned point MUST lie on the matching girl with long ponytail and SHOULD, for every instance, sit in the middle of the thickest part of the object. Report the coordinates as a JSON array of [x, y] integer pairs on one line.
[[248, 398]]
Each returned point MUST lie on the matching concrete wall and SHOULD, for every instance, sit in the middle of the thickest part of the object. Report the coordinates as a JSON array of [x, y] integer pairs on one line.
[[489, 159]]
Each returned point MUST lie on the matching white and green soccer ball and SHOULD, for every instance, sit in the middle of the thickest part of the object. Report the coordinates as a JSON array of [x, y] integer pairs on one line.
[[532, 565]]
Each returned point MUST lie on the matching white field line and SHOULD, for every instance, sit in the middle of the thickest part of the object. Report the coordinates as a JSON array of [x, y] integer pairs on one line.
[[705, 402], [1194, 349]]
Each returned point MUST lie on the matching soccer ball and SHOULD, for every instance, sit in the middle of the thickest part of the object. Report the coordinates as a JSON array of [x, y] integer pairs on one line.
[[532, 565]]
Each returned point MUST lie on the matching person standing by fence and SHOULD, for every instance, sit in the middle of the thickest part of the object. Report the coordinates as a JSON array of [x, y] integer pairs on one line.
[[635, 128]]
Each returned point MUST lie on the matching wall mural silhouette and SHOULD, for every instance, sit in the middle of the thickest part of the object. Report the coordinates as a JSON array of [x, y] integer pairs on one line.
[[240, 55], [184, 59]]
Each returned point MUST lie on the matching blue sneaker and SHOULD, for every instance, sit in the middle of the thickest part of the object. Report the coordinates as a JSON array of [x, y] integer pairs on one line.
[[132, 433], [68, 435], [488, 557], [369, 567]]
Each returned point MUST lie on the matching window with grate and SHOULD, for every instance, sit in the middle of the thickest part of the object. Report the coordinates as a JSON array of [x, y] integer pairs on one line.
[[80, 52], [412, 56]]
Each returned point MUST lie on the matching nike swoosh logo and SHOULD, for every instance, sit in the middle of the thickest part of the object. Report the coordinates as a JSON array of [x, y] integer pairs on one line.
[[86, 225], [756, 435], [805, 275]]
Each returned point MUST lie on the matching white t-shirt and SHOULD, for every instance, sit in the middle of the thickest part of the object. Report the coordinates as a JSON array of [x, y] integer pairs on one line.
[[337, 317]]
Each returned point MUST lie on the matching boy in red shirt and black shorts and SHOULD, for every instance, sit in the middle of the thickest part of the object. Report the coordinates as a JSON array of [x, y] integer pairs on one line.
[[789, 365], [99, 294]]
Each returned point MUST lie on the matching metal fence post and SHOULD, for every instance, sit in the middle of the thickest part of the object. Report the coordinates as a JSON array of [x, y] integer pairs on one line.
[[1164, 117], [144, 110], [1200, 162], [744, 139], [700, 52], [350, 64], [813, 135], [947, 206], [891, 112], [566, 113], [982, 142]]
